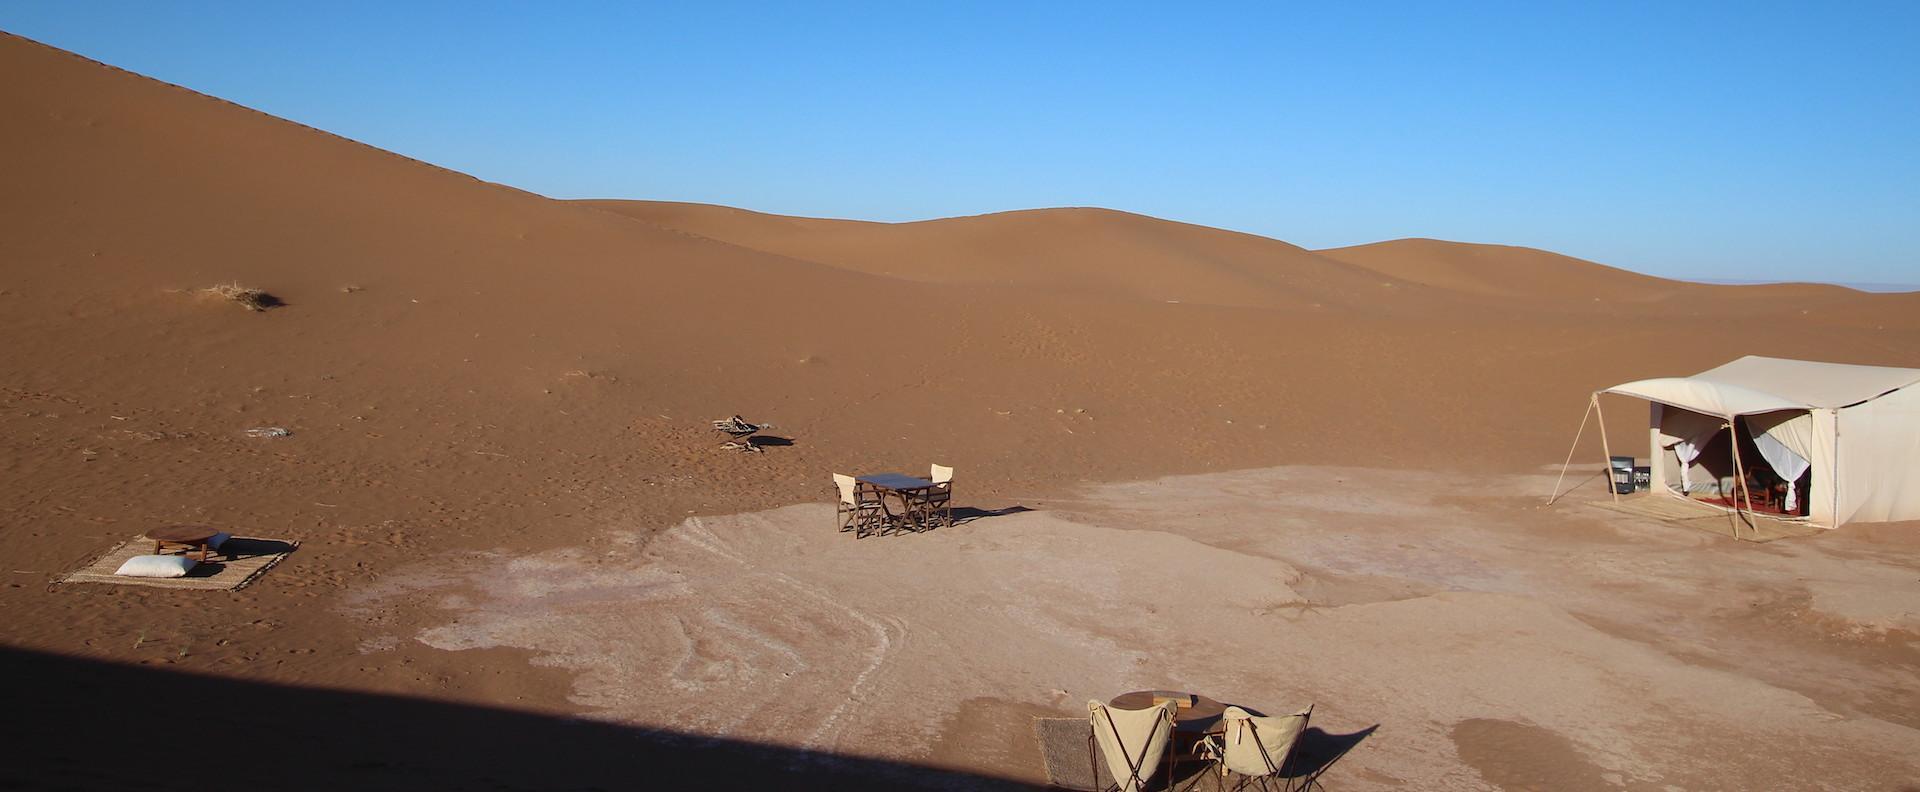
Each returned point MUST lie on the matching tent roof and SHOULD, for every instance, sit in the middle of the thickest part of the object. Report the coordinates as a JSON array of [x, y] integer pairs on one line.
[[1756, 384]]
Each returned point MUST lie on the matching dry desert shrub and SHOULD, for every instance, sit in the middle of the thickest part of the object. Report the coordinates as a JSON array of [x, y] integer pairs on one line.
[[251, 299]]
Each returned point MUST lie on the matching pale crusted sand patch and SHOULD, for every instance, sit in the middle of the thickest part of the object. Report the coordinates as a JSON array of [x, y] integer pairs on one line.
[[760, 626], [1439, 602]]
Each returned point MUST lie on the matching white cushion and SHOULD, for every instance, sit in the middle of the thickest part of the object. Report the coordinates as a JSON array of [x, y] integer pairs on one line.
[[219, 539], [157, 566]]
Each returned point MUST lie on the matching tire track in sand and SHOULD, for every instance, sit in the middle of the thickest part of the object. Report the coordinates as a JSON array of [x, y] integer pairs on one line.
[[889, 633]]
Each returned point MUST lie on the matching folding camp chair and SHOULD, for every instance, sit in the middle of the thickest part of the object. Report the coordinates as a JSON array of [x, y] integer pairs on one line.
[[1256, 748], [936, 504], [859, 509], [1131, 741]]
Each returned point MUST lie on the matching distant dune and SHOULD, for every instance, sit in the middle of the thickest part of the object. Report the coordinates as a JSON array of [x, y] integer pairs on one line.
[[1504, 271], [1075, 250], [1117, 254]]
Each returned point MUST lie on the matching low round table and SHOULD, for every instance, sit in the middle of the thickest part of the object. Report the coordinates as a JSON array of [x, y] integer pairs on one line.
[[190, 536], [1200, 718]]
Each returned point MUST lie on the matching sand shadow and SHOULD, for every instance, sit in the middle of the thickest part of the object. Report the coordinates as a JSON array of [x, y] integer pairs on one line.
[[966, 514], [84, 724], [1318, 750], [238, 548], [770, 441]]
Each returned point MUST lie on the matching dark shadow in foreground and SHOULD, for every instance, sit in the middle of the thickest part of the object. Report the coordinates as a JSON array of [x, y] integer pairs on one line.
[[83, 724]]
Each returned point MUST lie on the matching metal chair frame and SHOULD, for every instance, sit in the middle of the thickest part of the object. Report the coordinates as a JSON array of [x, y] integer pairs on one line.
[[935, 504]]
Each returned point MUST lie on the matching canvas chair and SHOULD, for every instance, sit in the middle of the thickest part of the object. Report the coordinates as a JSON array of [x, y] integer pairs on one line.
[[1256, 748], [937, 502], [1131, 741], [858, 511]]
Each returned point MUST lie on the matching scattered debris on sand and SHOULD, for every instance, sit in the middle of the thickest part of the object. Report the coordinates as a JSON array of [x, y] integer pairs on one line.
[[249, 298]]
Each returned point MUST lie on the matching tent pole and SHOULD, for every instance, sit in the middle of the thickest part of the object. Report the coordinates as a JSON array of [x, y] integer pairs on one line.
[[1608, 467], [1576, 445], [1739, 477]]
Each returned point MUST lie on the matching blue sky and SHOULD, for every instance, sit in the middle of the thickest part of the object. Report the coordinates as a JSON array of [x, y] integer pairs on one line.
[[1744, 141]]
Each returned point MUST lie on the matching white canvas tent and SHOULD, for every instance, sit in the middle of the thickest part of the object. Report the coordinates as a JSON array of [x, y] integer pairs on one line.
[[1855, 429]]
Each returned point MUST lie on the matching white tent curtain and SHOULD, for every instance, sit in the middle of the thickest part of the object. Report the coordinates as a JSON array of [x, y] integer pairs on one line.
[[1687, 432], [1785, 439]]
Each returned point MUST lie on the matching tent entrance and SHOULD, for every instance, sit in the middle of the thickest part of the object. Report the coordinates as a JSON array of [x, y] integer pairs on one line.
[[1701, 457], [1778, 439]]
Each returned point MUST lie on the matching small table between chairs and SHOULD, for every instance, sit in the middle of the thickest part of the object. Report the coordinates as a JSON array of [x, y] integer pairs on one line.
[[190, 536], [904, 487], [1200, 719], [1191, 724]]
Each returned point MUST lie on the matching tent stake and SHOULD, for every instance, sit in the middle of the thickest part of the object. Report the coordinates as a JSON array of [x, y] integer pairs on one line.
[[1608, 467], [1576, 445]]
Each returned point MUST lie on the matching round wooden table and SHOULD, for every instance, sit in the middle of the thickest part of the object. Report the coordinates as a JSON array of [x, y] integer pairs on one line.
[[1202, 717], [191, 536]]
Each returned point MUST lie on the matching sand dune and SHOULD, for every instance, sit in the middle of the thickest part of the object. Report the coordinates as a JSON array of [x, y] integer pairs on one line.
[[1116, 254], [1073, 251], [471, 368], [1505, 271]]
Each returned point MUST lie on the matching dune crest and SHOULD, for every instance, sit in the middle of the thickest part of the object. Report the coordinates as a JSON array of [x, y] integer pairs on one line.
[[1100, 252]]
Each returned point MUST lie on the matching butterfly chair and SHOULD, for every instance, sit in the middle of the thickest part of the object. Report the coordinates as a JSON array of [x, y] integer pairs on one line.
[[1132, 742], [1257, 748], [859, 510]]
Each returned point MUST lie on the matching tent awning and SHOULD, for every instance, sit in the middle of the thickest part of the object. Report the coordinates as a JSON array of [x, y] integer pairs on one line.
[[1828, 385], [1705, 396], [1755, 384]]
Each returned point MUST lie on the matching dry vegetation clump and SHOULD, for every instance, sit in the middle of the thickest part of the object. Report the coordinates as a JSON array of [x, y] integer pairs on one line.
[[251, 299]]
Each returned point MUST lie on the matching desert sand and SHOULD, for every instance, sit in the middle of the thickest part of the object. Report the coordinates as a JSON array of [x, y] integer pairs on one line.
[[1270, 474]]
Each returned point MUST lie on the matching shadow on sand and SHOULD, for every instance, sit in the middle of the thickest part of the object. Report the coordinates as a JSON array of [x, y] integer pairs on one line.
[[1318, 750], [966, 514], [86, 724]]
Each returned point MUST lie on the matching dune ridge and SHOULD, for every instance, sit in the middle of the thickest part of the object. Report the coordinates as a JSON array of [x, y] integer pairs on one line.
[[1119, 254]]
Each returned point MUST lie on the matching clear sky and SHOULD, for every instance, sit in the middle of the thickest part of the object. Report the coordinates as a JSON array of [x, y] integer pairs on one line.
[[1745, 140]]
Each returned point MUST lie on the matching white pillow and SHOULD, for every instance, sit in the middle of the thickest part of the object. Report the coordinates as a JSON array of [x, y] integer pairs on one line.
[[219, 539], [157, 566]]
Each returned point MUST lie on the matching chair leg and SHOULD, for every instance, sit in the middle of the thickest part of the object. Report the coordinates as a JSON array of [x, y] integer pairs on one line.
[[1093, 763]]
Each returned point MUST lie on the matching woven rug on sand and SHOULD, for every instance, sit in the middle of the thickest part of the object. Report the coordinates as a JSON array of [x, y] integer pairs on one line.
[[237, 563], [1063, 747], [1704, 517]]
